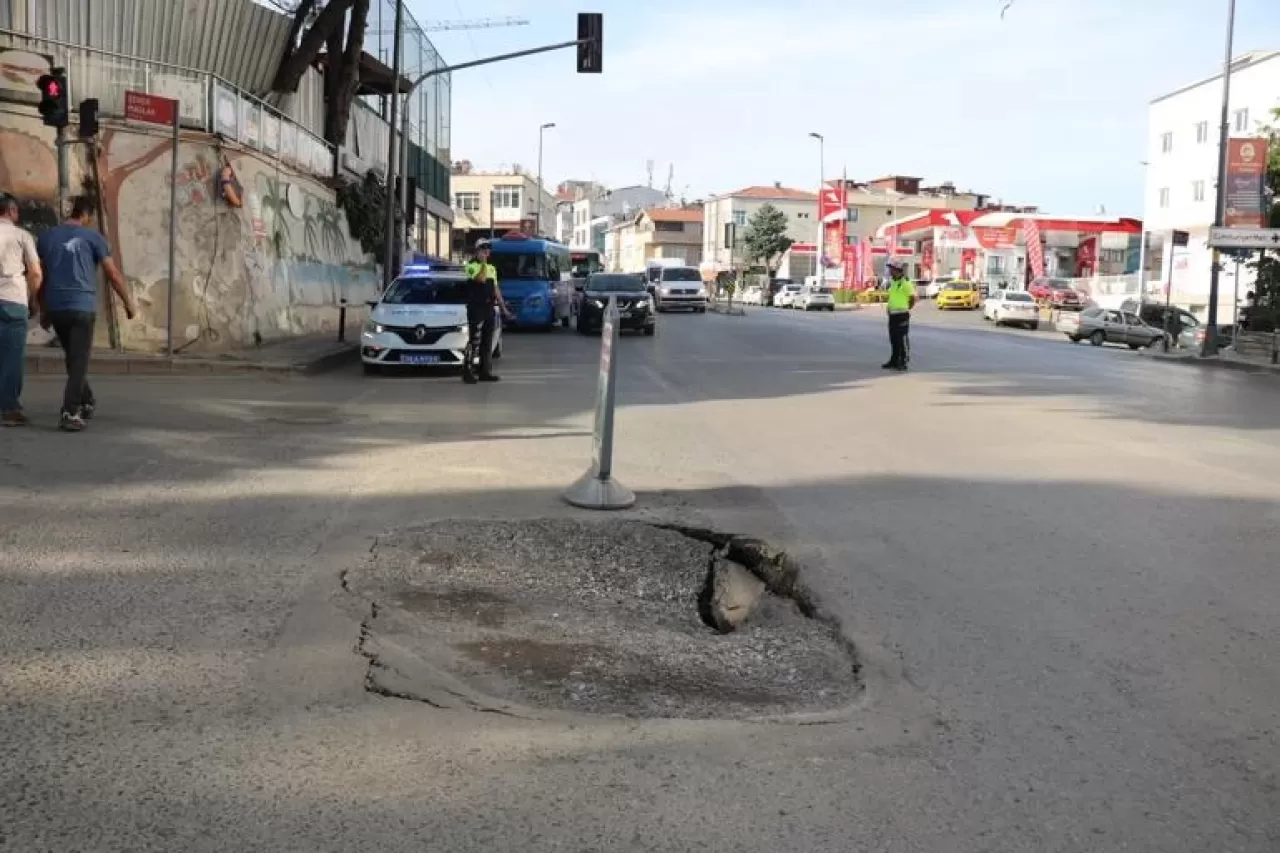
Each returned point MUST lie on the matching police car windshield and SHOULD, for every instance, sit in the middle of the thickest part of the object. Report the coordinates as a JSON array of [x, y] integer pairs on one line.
[[680, 274], [521, 266], [425, 291]]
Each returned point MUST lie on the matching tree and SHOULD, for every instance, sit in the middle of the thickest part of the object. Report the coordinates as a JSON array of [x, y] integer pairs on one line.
[[342, 74], [766, 237]]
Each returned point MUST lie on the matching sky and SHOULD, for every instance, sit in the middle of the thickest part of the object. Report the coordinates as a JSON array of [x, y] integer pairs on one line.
[[1047, 106]]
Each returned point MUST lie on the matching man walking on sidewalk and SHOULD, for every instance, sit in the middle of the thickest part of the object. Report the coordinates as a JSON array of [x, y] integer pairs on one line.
[[902, 298], [19, 283], [71, 253]]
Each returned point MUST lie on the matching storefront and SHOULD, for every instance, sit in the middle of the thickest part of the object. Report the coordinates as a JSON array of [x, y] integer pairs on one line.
[[1010, 249]]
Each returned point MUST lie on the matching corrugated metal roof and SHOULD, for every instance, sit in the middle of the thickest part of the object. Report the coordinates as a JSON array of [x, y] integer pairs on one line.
[[238, 40]]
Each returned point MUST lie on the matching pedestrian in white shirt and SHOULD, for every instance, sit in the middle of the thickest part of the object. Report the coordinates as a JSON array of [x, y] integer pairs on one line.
[[20, 278]]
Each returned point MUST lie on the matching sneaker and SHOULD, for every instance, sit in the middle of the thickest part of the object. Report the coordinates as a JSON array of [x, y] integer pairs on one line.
[[86, 412], [889, 365], [70, 423], [489, 377], [14, 419]]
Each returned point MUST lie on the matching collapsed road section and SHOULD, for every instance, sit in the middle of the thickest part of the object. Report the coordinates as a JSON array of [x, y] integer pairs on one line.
[[623, 618]]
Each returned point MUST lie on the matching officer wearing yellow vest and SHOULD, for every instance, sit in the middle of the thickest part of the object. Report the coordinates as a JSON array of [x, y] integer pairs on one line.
[[902, 298], [483, 296]]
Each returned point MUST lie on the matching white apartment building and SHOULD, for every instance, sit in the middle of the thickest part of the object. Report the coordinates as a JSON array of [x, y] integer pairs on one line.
[[800, 207], [496, 202], [596, 209], [1181, 175]]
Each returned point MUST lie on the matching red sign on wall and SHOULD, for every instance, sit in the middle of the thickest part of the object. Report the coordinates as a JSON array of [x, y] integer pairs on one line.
[[1246, 175], [996, 238], [153, 109]]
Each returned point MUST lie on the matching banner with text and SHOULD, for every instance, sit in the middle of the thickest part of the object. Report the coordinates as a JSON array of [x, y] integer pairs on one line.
[[1246, 178]]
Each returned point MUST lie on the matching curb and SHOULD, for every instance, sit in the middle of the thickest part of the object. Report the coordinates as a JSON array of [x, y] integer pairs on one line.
[[1217, 363], [145, 365]]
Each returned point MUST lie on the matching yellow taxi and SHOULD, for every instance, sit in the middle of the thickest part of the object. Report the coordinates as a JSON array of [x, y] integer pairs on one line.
[[959, 294]]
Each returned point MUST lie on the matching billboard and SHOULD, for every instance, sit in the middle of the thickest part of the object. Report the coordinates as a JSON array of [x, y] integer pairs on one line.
[[1246, 177]]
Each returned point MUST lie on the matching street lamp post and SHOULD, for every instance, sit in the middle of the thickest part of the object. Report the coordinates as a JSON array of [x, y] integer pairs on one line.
[[822, 176], [1210, 346], [537, 216], [1142, 244]]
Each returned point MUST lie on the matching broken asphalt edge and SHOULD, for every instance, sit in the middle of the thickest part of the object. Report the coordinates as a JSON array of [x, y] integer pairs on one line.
[[393, 673]]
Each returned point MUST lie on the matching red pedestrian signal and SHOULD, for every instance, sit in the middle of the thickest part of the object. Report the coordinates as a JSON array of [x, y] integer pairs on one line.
[[54, 108]]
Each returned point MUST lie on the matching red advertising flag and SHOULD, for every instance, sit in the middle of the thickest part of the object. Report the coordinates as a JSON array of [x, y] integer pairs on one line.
[[926, 259], [1035, 252], [851, 265], [868, 263], [1246, 179], [832, 200]]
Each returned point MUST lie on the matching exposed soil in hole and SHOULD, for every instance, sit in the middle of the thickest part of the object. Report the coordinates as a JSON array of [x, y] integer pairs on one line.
[[595, 617]]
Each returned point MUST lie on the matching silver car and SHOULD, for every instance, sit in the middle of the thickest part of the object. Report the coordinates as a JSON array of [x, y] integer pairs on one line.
[[1101, 326]]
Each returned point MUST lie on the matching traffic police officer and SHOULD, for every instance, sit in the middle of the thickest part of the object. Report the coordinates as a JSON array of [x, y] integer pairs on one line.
[[483, 296], [902, 298]]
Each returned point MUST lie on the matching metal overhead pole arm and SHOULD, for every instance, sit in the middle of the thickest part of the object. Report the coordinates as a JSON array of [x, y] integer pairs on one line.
[[436, 72]]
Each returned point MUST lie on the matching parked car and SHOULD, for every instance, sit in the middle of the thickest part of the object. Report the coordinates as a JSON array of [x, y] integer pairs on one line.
[[1015, 307], [420, 320], [1057, 292], [774, 286], [1189, 329], [753, 295], [680, 288], [1101, 326], [786, 295], [958, 294], [635, 305], [814, 298]]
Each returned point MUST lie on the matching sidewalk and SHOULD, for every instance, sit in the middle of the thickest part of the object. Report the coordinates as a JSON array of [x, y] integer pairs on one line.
[[306, 355], [1225, 360]]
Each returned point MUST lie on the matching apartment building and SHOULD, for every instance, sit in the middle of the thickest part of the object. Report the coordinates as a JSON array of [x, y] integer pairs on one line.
[[1181, 176], [596, 209], [492, 203], [735, 208], [658, 232]]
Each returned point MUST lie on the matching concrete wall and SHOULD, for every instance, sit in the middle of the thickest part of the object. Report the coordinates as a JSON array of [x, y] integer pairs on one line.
[[272, 269]]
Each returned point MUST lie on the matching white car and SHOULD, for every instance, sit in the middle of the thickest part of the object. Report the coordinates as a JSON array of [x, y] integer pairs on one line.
[[786, 295], [1012, 307], [934, 287], [680, 287], [813, 298], [753, 295], [421, 320]]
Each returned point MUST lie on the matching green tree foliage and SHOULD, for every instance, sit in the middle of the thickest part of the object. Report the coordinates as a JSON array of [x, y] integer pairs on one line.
[[766, 237], [363, 204]]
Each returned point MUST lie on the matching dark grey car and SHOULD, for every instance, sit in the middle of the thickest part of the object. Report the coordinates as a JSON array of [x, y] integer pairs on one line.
[[1101, 326]]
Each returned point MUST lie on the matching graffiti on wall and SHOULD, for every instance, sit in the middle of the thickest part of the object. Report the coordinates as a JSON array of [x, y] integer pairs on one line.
[[276, 267]]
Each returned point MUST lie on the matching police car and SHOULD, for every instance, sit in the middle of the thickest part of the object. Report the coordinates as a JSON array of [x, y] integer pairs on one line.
[[421, 320]]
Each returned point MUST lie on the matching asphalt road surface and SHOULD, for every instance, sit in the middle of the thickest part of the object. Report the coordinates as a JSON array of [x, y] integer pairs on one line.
[[1059, 564]]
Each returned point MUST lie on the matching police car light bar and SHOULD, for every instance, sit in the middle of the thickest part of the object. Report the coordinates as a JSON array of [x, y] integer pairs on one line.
[[415, 269]]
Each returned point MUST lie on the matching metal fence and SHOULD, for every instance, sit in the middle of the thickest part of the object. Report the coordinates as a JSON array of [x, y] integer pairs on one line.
[[206, 101]]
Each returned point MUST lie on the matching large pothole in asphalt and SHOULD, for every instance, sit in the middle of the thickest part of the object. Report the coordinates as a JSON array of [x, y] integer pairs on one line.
[[592, 617]]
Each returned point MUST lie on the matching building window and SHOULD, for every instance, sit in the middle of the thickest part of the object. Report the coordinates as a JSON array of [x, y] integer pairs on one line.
[[1166, 142], [853, 214], [802, 215], [740, 218], [467, 201], [1164, 196], [676, 227], [506, 196], [1197, 190], [1202, 132], [1241, 120]]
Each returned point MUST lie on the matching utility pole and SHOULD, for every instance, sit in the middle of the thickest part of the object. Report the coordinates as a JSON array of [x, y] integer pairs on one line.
[[389, 223], [537, 216], [1210, 346]]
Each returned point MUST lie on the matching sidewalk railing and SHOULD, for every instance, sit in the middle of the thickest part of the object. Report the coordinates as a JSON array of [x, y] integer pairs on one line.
[[206, 101]]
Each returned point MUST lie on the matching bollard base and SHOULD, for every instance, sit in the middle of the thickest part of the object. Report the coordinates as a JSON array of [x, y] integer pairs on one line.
[[591, 492]]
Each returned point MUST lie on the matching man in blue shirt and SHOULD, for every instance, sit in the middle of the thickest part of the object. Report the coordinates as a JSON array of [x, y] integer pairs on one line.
[[71, 253]]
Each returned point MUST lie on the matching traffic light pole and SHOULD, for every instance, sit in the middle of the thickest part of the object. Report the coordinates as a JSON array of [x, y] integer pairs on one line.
[[404, 126], [64, 182]]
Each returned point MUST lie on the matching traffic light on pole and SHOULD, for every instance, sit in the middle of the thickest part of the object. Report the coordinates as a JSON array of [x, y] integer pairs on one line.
[[54, 107], [88, 118], [590, 40]]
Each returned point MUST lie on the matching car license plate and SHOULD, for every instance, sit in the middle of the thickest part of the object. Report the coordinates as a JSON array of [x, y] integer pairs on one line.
[[622, 315], [419, 358]]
